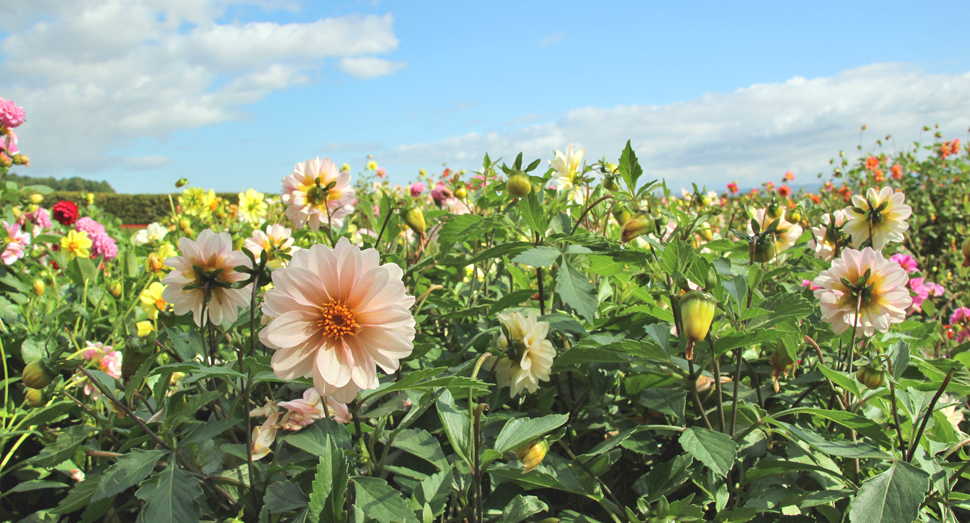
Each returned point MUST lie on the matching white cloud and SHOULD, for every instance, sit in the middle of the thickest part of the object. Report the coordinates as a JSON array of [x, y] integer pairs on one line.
[[553, 39], [94, 76], [369, 67], [751, 135]]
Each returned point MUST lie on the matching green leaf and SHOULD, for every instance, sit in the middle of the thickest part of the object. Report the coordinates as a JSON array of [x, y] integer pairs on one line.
[[508, 248], [576, 291], [64, 447], [36, 484], [522, 430], [171, 496], [423, 445], [209, 430], [80, 496], [453, 230], [861, 424], [511, 300], [456, 424], [128, 471], [677, 257], [782, 307], [664, 478], [435, 491], [378, 500], [840, 448], [313, 438], [582, 355], [327, 493], [407, 382], [768, 468], [891, 497], [715, 450], [284, 496], [841, 379], [541, 256], [532, 212], [899, 356], [671, 402], [743, 339], [520, 508], [629, 168]]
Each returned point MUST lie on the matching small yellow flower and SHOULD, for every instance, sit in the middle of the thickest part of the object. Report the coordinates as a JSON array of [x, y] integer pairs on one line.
[[345, 167], [76, 243], [252, 206], [191, 200], [144, 328], [372, 165], [151, 300]]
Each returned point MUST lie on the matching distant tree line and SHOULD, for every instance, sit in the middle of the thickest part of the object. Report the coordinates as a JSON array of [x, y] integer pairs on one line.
[[74, 184]]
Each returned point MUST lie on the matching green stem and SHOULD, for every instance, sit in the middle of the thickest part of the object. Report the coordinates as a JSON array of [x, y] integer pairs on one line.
[[929, 413]]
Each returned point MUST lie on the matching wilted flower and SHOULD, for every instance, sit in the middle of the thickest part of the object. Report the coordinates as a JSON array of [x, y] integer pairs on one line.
[[302, 412], [867, 280], [569, 172], [215, 259], [530, 353], [317, 193], [881, 215], [337, 314], [264, 436]]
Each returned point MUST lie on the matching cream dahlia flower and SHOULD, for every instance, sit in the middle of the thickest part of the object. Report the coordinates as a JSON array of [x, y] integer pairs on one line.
[[213, 254], [785, 235], [569, 171], [531, 354], [884, 220], [884, 296], [825, 248], [275, 241], [310, 198], [335, 315]]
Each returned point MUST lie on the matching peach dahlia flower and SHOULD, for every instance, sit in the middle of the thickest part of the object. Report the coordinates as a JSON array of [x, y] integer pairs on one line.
[[211, 252], [825, 249], [336, 315], [309, 197], [885, 297]]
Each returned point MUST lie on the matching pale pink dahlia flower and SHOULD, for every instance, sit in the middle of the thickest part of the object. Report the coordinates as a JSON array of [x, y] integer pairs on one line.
[[885, 220], [108, 360], [337, 314], [309, 197], [828, 239], [885, 297], [530, 353], [302, 412], [15, 243], [277, 240], [211, 252]]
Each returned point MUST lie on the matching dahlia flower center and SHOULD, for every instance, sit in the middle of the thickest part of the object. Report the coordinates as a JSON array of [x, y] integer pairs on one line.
[[337, 320]]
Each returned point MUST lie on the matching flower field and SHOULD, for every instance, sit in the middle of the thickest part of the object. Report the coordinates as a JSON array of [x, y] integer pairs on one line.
[[558, 340]]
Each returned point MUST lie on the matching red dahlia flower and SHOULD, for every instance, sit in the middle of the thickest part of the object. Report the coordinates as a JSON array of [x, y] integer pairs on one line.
[[65, 212]]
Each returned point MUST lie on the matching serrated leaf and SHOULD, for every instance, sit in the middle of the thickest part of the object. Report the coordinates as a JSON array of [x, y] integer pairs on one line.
[[209, 430], [841, 379], [541, 256], [891, 497], [671, 402], [79, 496], [677, 257], [522, 430], [456, 424], [313, 438], [284, 496], [435, 491], [327, 494], [842, 449], [423, 445], [406, 382], [453, 230], [715, 450], [520, 508], [378, 500], [530, 207], [64, 447], [664, 478], [576, 291], [629, 168], [899, 356], [782, 307], [171, 496], [128, 471]]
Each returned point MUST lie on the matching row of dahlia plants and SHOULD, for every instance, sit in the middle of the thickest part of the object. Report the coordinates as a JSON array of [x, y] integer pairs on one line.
[[571, 343]]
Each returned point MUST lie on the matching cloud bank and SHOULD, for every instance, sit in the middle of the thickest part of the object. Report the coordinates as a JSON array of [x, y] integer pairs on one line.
[[95, 75], [750, 135]]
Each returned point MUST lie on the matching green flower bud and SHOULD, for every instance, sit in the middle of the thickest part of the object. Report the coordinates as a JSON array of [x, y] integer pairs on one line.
[[622, 214], [871, 376], [774, 211], [36, 198], [414, 218], [966, 252], [640, 223], [781, 364], [39, 287], [764, 249], [518, 185], [609, 183], [38, 374], [794, 215], [461, 193], [35, 398], [697, 313]]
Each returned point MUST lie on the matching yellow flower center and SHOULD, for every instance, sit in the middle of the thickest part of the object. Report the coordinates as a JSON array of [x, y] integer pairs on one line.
[[337, 320]]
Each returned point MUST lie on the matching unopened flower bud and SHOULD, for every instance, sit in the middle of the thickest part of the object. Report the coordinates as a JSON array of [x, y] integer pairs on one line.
[[531, 454], [185, 224], [90, 198], [116, 289], [966, 252], [870, 376], [781, 364], [182, 182], [461, 193], [640, 223], [518, 185], [35, 398], [21, 159], [39, 287], [38, 374], [5, 160], [764, 249], [609, 183], [706, 232], [414, 218], [36, 198], [774, 211], [622, 214], [144, 329], [697, 313], [794, 215], [17, 211]]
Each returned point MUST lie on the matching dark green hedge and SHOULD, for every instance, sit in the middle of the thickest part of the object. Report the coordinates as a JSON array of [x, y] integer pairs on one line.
[[130, 208]]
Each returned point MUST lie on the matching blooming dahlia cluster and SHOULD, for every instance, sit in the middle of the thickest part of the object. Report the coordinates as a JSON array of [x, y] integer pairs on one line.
[[10, 115], [15, 243], [212, 253], [336, 315], [530, 353], [882, 298], [317, 193]]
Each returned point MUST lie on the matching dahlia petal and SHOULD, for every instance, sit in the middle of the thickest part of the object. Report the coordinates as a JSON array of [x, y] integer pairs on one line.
[[291, 328]]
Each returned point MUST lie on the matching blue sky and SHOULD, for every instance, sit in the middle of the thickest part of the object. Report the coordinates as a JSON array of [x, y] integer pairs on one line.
[[231, 94]]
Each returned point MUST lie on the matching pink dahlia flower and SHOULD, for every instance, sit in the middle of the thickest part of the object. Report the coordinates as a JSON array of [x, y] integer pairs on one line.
[[905, 261], [8, 143], [40, 218], [103, 245], [210, 252], [107, 359], [10, 115], [885, 297], [884, 225], [309, 197], [960, 320], [416, 189], [440, 193], [15, 243], [829, 239], [337, 314], [92, 227]]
